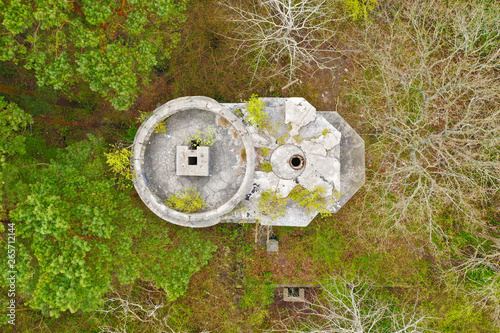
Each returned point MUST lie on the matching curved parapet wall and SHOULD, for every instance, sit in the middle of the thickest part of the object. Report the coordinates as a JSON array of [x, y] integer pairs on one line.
[[142, 141]]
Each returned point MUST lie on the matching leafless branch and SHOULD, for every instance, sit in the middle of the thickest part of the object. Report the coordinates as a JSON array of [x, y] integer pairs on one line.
[[286, 34], [433, 102], [349, 306]]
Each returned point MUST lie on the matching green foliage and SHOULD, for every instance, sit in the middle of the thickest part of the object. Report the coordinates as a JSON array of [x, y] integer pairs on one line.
[[264, 151], [480, 275], [203, 138], [118, 160], [267, 167], [170, 264], [359, 10], [330, 246], [239, 113], [186, 201], [316, 200], [143, 116], [258, 296], [271, 204], [110, 45], [76, 230], [160, 127], [12, 121], [256, 115]]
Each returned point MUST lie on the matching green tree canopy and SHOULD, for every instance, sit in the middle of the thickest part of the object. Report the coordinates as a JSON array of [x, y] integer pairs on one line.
[[12, 121], [77, 234], [111, 45]]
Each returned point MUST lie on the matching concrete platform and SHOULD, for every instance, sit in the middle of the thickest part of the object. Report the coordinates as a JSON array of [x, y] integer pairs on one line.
[[304, 148]]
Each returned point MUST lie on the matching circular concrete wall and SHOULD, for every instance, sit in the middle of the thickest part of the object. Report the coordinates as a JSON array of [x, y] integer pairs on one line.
[[141, 141]]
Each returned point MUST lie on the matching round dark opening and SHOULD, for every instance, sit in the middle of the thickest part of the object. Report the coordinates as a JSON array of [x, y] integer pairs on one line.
[[297, 162]]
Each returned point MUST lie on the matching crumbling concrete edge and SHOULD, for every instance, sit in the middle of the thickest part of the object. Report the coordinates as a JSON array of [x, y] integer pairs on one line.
[[352, 157]]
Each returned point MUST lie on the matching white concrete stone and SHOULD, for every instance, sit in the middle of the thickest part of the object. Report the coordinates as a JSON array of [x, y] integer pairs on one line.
[[313, 148], [285, 186], [299, 111], [330, 140], [272, 245], [192, 162], [311, 180]]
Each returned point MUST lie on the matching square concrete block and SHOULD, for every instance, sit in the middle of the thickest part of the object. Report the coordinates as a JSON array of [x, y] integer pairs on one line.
[[272, 245], [192, 162]]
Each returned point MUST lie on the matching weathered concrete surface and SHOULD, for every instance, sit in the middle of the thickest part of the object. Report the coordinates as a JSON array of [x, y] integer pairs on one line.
[[352, 158], [272, 245], [298, 130], [227, 171], [282, 164], [154, 160], [331, 157], [192, 162]]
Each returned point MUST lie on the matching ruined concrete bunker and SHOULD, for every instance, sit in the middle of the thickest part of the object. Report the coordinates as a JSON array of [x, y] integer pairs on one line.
[[198, 143]]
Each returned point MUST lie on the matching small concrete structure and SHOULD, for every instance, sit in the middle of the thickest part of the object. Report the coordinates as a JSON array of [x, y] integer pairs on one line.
[[293, 294], [272, 245], [192, 162], [307, 150]]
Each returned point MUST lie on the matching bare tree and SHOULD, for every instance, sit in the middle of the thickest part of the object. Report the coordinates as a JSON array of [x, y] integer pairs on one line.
[[350, 307], [286, 34], [431, 97], [431, 101], [121, 315], [477, 274]]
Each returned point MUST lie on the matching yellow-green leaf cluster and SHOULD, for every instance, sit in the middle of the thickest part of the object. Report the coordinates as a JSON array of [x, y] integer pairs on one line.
[[187, 201], [271, 204], [203, 138], [359, 10], [316, 200], [256, 115], [118, 160]]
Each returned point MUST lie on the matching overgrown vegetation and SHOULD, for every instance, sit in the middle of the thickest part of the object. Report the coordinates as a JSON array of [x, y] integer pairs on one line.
[[316, 200], [201, 138], [186, 201], [359, 9], [267, 167], [13, 122], [111, 46], [118, 160], [352, 306], [286, 36], [70, 248], [256, 115], [271, 204]]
